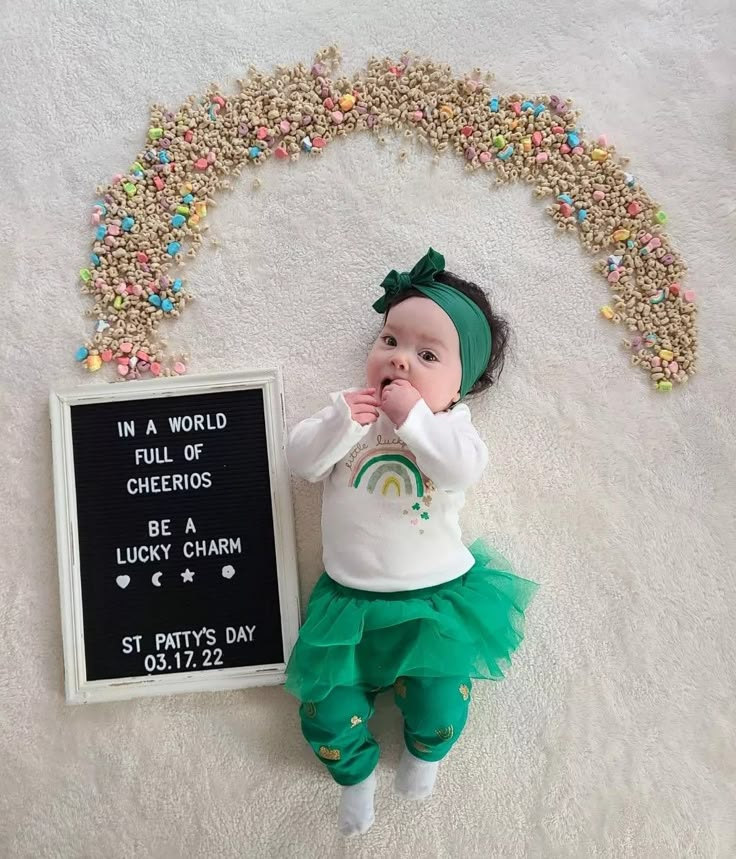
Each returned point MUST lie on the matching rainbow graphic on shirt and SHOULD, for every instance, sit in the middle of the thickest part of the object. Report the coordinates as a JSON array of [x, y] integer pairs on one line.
[[388, 472]]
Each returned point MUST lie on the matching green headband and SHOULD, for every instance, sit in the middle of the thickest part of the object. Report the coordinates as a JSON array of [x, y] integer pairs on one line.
[[469, 320]]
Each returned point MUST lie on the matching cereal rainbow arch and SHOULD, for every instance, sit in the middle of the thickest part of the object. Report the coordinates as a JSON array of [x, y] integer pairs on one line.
[[150, 220]]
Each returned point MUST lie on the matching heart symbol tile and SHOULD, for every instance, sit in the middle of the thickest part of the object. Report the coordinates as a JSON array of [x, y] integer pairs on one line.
[[228, 572], [123, 581]]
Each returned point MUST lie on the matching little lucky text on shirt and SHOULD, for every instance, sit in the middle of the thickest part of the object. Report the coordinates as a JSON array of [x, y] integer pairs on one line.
[[162, 455]]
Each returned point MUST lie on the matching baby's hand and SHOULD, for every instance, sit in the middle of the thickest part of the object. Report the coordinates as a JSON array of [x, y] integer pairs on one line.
[[398, 399], [363, 405]]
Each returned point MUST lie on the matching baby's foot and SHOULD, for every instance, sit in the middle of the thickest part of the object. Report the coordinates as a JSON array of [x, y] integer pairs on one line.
[[355, 815], [414, 777]]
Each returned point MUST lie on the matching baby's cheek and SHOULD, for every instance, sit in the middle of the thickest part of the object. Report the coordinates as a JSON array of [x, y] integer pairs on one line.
[[372, 368]]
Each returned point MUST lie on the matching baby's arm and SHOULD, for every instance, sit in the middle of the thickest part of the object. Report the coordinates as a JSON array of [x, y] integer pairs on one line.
[[317, 443], [447, 446]]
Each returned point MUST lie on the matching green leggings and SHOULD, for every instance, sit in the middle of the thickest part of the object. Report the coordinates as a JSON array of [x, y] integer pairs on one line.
[[435, 710]]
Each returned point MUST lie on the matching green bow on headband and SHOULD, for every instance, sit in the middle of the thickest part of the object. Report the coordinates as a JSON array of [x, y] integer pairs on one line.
[[470, 322], [421, 275]]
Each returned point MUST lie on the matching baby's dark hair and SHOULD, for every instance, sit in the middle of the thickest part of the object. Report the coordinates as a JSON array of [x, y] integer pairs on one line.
[[498, 325]]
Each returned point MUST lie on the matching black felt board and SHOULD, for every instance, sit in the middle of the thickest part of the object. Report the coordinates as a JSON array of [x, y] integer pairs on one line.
[[237, 614]]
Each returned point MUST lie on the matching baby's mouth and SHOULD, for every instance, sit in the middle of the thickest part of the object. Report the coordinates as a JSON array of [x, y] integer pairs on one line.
[[384, 383]]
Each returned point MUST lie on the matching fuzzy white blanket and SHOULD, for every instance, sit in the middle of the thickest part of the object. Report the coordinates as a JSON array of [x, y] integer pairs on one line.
[[614, 734]]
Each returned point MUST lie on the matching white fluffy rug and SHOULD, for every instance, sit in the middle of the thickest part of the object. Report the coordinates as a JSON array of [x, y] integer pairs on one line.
[[614, 734]]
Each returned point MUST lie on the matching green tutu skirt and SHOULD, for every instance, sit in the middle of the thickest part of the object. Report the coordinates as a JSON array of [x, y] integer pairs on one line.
[[467, 627]]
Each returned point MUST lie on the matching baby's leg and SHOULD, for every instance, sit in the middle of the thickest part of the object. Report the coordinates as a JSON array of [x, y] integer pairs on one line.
[[337, 730], [435, 712]]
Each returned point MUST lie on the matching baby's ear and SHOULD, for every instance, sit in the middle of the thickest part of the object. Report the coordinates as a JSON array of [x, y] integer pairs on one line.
[[456, 398]]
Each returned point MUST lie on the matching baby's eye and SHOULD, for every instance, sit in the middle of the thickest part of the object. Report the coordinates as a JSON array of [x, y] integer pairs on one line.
[[427, 355], [389, 340]]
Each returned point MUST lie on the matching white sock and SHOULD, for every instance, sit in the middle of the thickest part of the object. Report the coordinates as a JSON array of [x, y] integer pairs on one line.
[[414, 777], [355, 815]]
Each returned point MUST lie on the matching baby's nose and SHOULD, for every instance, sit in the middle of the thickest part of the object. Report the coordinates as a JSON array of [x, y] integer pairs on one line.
[[400, 361]]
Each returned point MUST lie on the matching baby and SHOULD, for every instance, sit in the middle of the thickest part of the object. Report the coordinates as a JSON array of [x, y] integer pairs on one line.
[[403, 603]]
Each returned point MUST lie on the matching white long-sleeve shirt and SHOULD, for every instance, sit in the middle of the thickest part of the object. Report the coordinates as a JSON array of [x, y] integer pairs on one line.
[[392, 497]]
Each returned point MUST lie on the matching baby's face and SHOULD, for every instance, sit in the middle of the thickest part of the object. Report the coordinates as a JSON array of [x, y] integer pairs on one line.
[[418, 343]]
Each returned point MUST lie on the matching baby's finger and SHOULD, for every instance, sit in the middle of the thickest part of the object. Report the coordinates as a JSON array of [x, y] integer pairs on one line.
[[365, 399], [365, 410], [366, 419]]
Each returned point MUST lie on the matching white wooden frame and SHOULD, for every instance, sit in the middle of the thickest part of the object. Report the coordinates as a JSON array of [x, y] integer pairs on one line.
[[78, 689]]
